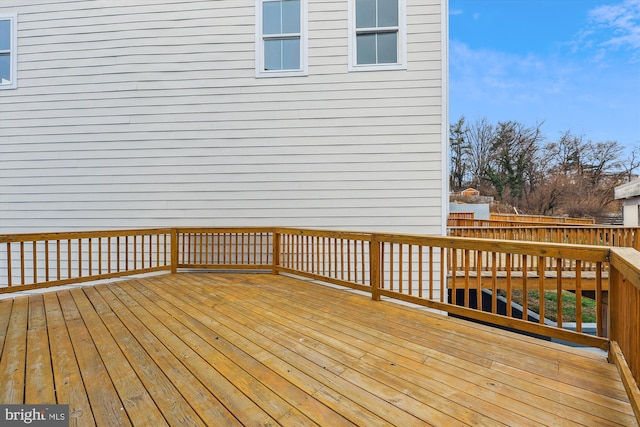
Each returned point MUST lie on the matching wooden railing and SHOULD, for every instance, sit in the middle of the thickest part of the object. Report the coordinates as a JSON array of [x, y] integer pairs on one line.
[[542, 219], [578, 235], [31, 261], [624, 318], [223, 248], [462, 276]]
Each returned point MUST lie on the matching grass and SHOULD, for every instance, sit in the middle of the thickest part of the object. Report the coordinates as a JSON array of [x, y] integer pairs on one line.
[[551, 305]]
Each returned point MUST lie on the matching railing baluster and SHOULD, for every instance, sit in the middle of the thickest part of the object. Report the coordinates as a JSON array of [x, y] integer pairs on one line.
[[578, 296], [420, 284], [443, 263], [525, 287], [9, 272], [400, 266], [601, 332], [22, 278], [348, 260], [410, 271], [494, 283], [335, 257], [46, 260], [466, 277], [362, 257], [454, 275], [108, 254], [391, 266], [99, 255], [90, 257], [35, 262], [479, 280], [559, 292], [141, 253], [541, 275], [382, 264], [237, 247], [510, 289], [342, 259]]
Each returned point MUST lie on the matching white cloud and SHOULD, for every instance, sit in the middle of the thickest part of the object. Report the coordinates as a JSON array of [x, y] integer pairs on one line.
[[614, 26], [493, 73]]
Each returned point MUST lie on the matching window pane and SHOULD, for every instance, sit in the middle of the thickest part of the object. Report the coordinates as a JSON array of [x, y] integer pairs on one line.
[[387, 13], [273, 55], [291, 54], [5, 68], [387, 48], [365, 13], [271, 22], [290, 16], [366, 47], [5, 34]]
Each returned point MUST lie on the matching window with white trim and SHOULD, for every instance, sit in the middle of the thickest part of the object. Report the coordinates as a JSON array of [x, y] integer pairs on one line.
[[377, 34], [281, 38], [8, 51]]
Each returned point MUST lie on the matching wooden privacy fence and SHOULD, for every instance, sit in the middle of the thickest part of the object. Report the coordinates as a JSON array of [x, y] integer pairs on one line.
[[463, 276], [542, 219]]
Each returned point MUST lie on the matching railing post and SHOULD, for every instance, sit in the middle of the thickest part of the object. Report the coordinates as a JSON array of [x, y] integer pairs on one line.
[[174, 250], [276, 251], [614, 329], [374, 267]]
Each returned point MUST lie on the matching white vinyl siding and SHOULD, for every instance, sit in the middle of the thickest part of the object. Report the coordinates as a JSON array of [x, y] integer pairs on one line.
[[136, 114]]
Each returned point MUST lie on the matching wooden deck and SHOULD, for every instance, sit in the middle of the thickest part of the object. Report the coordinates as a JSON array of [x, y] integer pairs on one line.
[[260, 349]]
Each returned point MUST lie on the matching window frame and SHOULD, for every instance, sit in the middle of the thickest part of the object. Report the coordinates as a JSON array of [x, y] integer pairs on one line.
[[260, 39], [401, 63], [12, 51]]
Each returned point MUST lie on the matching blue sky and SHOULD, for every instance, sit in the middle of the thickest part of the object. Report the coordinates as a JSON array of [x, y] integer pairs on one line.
[[574, 64]]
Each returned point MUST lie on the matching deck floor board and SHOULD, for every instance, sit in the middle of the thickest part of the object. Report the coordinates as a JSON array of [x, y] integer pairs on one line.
[[261, 349]]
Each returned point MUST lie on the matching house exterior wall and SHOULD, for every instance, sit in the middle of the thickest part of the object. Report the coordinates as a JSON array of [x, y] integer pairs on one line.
[[631, 212], [145, 113], [629, 193]]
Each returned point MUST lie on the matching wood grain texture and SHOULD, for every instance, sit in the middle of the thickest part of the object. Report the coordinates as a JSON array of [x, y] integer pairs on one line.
[[261, 349]]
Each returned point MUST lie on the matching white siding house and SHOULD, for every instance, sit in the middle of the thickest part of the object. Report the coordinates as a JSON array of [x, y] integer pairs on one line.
[[629, 193], [136, 113]]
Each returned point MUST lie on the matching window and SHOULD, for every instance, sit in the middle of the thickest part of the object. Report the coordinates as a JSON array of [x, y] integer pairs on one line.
[[281, 38], [376, 35], [8, 51]]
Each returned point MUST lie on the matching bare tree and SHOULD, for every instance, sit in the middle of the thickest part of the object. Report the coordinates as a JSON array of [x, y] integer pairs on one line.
[[631, 163], [584, 173], [480, 136], [565, 154], [513, 166], [459, 155], [570, 176]]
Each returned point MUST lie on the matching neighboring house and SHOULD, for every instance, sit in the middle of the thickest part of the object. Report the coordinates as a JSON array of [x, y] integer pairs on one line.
[[145, 113], [469, 192], [629, 193]]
